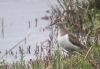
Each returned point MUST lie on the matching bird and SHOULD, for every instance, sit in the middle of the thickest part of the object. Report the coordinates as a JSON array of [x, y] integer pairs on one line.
[[67, 40]]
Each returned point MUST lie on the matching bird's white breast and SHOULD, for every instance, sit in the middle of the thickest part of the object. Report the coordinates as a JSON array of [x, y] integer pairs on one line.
[[63, 41]]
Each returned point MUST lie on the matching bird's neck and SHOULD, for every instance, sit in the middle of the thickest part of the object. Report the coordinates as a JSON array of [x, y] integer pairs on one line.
[[62, 31]]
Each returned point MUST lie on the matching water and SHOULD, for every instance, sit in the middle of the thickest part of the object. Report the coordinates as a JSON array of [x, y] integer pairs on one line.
[[16, 15]]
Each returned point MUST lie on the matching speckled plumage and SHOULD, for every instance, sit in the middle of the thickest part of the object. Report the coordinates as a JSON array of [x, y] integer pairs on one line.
[[67, 40]]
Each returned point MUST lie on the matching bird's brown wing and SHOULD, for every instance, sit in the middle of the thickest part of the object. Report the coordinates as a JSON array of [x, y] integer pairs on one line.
[[74, 40]]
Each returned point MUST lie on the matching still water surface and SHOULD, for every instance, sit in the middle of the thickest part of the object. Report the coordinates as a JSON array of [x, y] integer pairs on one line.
[[16, 15]]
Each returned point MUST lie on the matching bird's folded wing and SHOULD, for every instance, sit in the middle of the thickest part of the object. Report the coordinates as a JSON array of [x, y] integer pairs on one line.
[[74, 40]]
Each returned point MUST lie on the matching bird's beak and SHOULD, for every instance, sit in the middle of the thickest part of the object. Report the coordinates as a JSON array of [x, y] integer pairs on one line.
[[52, 24]]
